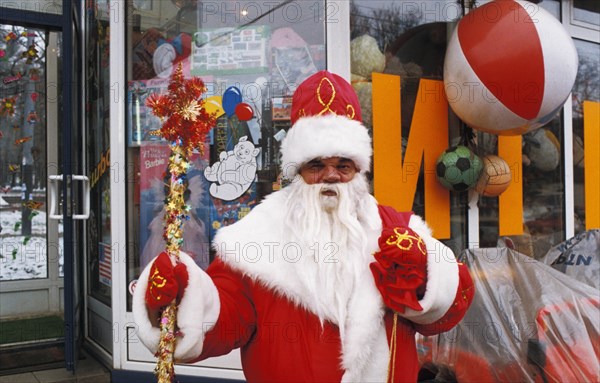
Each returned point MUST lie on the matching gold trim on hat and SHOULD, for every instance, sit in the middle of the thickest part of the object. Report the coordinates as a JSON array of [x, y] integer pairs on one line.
[[328, 104]]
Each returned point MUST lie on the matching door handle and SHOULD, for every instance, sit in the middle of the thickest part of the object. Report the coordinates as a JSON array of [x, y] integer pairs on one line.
[[86, 197], [54, 211]]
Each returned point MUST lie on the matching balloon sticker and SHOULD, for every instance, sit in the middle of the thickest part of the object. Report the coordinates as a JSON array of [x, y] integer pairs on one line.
[[32, 117], [11, 36], [231, 98], [34, 75], [22, 140], [31, 54], [244, 111], [7, 107], [213, 105]]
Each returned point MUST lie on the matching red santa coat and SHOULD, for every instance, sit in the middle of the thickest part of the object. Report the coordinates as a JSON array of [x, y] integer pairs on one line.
[[254, 297], [277, 336]]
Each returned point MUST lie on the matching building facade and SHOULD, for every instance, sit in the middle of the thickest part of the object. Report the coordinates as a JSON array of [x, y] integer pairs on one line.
[[83, 175]]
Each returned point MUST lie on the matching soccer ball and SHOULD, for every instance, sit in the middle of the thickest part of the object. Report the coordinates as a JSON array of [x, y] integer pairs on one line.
[[495, 177], [458, 168]]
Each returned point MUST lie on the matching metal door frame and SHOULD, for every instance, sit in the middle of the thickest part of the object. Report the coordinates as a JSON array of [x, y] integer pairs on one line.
[[68, 23]]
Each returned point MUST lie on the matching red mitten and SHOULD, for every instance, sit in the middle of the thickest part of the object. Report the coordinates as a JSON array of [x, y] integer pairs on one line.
[[182, 276], [401, 269], [166, 282]]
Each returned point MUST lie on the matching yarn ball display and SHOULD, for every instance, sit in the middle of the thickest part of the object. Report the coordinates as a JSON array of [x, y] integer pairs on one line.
[[495, 177], [458, 168], [509, 67]]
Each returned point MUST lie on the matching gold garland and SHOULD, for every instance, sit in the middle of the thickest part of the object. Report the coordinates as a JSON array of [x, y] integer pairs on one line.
[[393, 348], [185, 124]]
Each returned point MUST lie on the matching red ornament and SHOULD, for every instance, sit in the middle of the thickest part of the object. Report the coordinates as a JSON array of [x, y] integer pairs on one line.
[[244, 111], [182, 109]]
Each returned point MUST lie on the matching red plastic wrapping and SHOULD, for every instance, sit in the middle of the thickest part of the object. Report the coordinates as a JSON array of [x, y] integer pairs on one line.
[[528, 323]]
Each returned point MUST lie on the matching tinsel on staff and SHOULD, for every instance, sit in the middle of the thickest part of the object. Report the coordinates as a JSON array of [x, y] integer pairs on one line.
[[185, 124]]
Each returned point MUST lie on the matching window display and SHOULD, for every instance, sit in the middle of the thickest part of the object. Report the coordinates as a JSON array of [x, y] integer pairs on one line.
[[405, 39], [251, 57]]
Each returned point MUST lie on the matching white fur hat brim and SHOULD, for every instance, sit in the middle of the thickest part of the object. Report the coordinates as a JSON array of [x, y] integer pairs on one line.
[[324, 137]]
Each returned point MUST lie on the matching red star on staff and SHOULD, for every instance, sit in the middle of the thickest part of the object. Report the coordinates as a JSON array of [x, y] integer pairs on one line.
[[182, 110]]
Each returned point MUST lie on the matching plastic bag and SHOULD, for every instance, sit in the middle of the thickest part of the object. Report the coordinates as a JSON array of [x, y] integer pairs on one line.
[[527, 323], [578, 257]]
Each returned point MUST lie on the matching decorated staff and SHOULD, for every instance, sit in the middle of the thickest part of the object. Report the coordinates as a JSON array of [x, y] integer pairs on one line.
[[185, 125]]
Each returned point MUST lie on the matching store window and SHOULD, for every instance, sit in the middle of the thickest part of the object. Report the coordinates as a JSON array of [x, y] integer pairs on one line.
[[406, 39], [42, 6], [587, 88], [263, 50], [98, 97], [25, 239]]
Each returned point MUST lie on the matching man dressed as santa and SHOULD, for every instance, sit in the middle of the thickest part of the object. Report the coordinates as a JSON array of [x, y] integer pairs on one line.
[[318, 283]]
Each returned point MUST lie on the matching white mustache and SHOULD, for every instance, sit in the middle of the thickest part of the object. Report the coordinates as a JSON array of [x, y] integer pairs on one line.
[[330, 189]]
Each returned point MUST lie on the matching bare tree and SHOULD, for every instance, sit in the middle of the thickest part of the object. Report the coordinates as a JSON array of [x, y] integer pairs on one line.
[[384, 24]]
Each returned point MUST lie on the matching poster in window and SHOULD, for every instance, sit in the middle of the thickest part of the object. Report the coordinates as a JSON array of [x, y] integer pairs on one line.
[[154, 158], [228, 51]]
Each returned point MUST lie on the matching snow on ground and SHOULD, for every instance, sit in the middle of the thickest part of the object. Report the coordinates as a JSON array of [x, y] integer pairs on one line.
[[25, 257]]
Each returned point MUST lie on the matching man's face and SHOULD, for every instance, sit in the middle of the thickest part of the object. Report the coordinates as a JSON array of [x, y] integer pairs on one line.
[[328, 170]]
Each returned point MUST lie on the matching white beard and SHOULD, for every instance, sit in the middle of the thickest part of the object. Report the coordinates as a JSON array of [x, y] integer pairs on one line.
[[332, 232]]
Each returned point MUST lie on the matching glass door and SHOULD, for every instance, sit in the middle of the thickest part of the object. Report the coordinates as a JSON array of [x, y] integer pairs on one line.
[[32, 270], [44, 196]]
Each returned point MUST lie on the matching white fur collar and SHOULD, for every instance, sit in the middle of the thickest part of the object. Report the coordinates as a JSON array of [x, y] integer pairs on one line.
[[255, 247]]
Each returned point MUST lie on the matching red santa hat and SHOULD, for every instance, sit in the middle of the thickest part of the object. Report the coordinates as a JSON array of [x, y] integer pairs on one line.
[[326, 122]]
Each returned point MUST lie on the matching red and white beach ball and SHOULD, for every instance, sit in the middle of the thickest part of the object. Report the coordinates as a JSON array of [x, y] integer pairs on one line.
[[509, 67]]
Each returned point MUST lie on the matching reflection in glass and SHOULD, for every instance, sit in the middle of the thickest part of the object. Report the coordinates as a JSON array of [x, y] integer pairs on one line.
[[99, 243], [587, 88], [23, 226], [407, 39], [245, 52]]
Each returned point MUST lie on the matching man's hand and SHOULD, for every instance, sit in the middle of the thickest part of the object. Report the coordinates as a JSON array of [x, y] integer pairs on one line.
[[167, 281], [401, 269]]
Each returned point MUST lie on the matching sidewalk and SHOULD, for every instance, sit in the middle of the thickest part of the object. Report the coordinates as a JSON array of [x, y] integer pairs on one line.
[[89, 370]]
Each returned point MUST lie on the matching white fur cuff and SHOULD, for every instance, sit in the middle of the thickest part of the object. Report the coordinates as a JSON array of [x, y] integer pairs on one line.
[[196, 314], [442, 277]]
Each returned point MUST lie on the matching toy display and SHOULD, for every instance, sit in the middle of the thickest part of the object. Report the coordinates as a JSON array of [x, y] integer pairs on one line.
[[495, 177], [230, 51], [542, 149], [458, 168], [365, 58], [511, 73]]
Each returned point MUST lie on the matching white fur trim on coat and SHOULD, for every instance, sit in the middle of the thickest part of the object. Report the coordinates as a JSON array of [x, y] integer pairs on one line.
[[255, 247], [196, 314], [442, 277], [323, 137]]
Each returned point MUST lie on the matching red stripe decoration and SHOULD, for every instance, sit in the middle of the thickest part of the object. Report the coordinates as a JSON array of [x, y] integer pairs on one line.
[[486, 34]]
